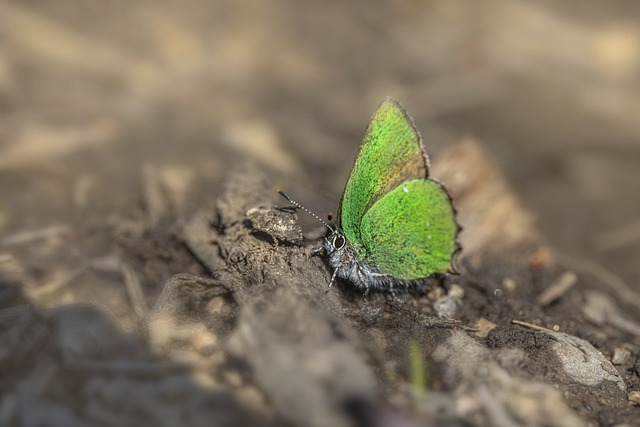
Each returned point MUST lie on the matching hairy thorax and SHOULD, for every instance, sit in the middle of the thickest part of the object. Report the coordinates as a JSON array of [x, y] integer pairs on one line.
[[349, 265]]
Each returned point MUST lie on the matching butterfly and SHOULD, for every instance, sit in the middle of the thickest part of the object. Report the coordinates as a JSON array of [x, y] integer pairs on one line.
[[395, 225]]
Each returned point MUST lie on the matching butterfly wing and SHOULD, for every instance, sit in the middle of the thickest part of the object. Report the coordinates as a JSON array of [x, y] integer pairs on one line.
[[391, 152], [410, 232]]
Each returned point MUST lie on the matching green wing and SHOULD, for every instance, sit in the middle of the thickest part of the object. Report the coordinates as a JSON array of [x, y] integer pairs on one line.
[[391, 152], [410, 233]]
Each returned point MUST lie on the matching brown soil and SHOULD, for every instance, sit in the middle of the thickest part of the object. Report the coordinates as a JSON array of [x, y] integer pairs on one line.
[[151, 275]]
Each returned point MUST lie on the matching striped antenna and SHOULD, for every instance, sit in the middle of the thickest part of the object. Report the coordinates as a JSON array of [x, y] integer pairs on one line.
[[298, 205]]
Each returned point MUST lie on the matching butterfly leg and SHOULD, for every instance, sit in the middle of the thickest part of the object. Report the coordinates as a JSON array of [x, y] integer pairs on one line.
[[333, 279], [365, 300], [317, 251], [363, 281], [366, 292]]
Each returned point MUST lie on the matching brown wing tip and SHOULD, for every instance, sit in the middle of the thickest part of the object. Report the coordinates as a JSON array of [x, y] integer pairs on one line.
[[409, 119]]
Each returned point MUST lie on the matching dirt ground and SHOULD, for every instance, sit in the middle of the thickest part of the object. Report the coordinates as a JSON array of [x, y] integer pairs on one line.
[[151, 275]]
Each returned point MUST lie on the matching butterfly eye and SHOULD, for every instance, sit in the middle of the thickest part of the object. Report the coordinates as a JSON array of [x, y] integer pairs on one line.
[[338, 241]]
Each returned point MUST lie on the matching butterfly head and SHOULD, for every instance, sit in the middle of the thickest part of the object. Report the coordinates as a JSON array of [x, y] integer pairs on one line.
[[334, 241], [343, 256]]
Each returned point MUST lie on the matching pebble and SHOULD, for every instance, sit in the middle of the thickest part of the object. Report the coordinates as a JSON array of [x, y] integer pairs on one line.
[[447, 306], [634, 398], [620, 356]]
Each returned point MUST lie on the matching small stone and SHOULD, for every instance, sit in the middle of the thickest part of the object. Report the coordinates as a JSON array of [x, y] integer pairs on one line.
[[447, 306], [203, 341], [620, 356], [456, 291], [484, 327], [540, 259], [509, 284], [634, 398], [435, 293]]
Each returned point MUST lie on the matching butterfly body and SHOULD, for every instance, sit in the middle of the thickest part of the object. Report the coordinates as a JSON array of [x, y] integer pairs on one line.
[[348, 264], [395, 225]]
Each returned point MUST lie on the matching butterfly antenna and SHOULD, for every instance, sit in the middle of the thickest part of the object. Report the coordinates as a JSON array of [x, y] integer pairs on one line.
[[298, 205]]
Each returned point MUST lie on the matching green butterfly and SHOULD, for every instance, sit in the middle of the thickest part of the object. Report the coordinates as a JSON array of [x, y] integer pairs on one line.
[[395, 225]]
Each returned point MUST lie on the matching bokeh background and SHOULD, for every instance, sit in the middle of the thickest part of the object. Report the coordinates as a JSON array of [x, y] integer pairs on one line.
[[96, 97]]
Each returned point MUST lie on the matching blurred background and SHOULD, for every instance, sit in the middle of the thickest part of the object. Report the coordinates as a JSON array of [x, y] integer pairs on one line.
[[97, 97]]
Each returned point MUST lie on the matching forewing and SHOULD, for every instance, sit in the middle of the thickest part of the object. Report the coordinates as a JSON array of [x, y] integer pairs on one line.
[[391, 152], [410, 233]]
